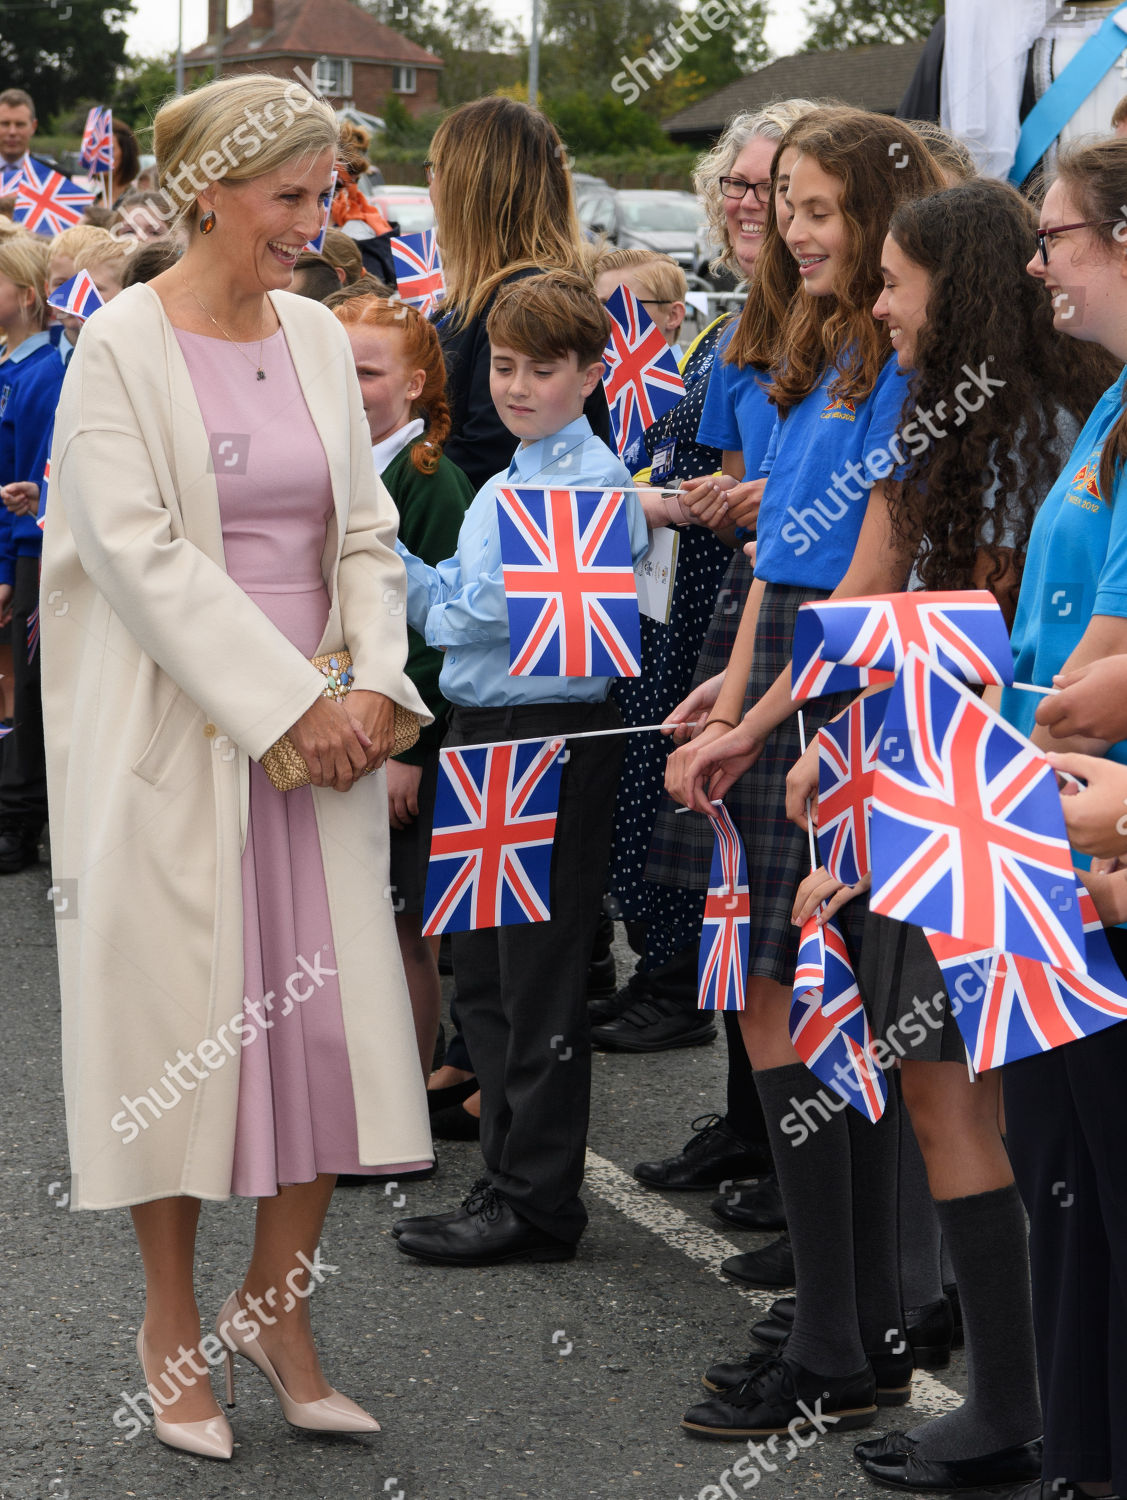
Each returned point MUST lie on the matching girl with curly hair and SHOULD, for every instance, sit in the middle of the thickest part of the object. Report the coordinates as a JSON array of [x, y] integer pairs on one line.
[[957, 297]]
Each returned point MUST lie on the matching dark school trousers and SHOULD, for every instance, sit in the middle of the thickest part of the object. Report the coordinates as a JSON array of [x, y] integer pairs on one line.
[[23, 769], [522, 989], [1066, 1121]]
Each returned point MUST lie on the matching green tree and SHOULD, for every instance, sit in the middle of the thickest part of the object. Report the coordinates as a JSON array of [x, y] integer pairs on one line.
[[849, 23], [142, 87], [62, 50]]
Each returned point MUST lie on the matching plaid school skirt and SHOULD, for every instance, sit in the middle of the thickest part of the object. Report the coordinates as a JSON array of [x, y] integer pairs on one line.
[[778, 853]]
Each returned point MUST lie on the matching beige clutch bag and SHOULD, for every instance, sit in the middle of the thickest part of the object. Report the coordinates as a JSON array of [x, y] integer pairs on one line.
[[283, 762]]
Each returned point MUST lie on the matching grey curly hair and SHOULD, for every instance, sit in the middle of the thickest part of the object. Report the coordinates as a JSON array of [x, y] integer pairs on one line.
[[771, 122]]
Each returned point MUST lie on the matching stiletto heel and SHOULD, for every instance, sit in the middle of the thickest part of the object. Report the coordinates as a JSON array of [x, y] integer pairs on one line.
[[211, 1438], [229, 1365], [238, 1331]]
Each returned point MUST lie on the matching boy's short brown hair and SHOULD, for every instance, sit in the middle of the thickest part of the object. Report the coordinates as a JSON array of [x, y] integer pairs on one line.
[[549, 316]]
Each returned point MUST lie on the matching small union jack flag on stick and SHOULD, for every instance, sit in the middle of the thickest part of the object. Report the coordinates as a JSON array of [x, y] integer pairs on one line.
[[1008, 1007], [418, 270], [967, 829], [494, 826], [847, 762], [828, 1024], [78, 296], [722, 968], [570, 589], [96, 151], [47, 202], [641, 379], [963, 630], [812, 676], [317, 244]]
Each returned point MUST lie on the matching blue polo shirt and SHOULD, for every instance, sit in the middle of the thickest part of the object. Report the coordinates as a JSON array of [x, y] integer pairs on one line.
[[459, 605], [738, 415], [1075, 567], [30, 380], [825, 457]]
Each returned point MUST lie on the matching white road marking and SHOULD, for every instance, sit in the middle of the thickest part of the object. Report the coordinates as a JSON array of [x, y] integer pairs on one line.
[[651, 1211]]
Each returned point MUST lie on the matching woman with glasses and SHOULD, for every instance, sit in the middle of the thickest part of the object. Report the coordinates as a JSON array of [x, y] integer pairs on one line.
[[1064, 1108]]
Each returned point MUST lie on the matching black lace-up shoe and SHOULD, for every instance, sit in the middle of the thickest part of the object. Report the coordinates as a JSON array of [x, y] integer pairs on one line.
[[782, 1397], [487, 1233], [714, 1155]]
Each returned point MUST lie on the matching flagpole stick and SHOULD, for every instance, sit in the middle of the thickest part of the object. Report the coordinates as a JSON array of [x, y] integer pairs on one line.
[[809, 811], [1031, 687], [585, 734]]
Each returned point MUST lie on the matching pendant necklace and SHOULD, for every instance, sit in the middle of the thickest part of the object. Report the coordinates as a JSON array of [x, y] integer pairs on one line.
[[260, 373]]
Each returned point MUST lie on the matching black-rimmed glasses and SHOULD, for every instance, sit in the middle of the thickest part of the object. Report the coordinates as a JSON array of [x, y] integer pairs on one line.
[[736, 187], [1044, 235]]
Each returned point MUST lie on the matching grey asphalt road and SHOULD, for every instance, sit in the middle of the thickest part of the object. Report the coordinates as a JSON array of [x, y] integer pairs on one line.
[[557, 1382]]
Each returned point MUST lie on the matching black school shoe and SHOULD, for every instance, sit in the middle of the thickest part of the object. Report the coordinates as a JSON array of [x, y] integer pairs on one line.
[[715, 1154], [752, 1205], [892, 1373], [1015, 1465], [417, 1221], [656, 1023], [931, 1333], [892, 1445], [19, 850], [781, 1397], [487, 1232], [768, 1269]]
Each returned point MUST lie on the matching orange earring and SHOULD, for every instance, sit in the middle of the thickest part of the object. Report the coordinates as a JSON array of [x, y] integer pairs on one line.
[[207, 223]]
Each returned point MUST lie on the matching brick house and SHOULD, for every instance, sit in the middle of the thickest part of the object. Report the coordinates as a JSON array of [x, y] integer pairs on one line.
[[348, 55]]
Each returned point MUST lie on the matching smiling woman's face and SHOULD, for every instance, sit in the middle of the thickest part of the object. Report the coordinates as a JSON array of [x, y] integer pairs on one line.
[[746, 216], [262, 224]]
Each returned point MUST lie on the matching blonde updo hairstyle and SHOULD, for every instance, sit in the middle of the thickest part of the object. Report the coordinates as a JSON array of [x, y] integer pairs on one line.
[[211, 133]]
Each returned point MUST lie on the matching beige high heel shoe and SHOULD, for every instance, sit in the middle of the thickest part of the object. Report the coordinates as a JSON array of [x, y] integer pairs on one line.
[[211, 1438], [333, 1413]]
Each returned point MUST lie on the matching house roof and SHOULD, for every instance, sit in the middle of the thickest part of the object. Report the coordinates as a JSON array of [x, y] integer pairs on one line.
[[317, 28], [874, 77]]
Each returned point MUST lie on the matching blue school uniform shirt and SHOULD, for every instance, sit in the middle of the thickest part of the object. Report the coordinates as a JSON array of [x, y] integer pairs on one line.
[[1075, 567], [823, 459], [459, 605], [738, 416], [30, 380]]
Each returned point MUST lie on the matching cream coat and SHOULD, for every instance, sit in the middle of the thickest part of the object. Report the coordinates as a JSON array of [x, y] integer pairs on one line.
[[160, 680]]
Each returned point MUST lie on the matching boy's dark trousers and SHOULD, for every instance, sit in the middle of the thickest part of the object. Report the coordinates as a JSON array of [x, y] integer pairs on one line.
[[522, 990], [23, 771]]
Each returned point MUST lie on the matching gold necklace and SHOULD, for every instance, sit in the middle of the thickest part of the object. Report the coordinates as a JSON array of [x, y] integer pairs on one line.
[[260, 373]]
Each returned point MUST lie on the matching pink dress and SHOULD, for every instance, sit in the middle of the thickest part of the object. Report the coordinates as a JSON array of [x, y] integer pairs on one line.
[[296, 1115]]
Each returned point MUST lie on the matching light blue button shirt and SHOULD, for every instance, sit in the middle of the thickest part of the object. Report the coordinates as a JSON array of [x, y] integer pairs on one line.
[[460, 605]]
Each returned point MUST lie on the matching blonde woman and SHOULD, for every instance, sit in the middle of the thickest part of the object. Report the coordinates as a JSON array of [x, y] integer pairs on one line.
[[235, 1018]]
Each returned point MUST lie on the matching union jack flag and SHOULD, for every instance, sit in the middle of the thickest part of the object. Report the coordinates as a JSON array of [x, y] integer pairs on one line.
[[317, 244], [828, 1025], [570, 589], [33, 633], [847, 761], [722, 967], [418, 270], [491, 848], [641, 378], [967, 830], [9, 176], [963, 630], [1008, 1007], [78, 296], [46, 201], [96, 151], [812, 675], [41, 517]]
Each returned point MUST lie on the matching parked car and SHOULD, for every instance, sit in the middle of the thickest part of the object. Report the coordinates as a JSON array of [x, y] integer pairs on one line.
[[646, 218], [409, 207]]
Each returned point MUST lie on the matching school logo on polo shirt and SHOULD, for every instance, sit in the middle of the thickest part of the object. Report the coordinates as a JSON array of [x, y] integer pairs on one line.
[[1084, 490], [5, 392], [842, 410]]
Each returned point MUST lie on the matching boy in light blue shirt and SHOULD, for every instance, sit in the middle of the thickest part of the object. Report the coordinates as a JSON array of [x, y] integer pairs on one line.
[[522, 988]]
